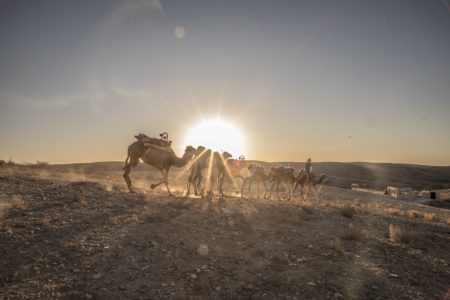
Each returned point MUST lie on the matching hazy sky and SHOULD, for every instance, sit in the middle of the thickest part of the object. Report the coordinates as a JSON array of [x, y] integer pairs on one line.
[[332, 80]]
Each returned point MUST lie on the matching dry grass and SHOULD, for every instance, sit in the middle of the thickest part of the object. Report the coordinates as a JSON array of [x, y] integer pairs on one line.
[[3, 209], [17, 202], [351, 232], [401, 235], [394, 211], [413, 214], [338, 245], [45, 221], [347, 211], [81, 201], [430, 217], [134, 218]]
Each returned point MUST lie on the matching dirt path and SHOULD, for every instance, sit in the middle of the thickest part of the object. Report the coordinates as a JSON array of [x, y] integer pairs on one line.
[[76, 240]]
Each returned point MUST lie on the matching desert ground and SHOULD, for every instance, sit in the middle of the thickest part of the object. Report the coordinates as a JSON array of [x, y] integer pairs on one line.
[[76, 233]]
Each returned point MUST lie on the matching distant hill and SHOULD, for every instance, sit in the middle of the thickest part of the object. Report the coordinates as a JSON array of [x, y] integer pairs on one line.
[[374, 175]]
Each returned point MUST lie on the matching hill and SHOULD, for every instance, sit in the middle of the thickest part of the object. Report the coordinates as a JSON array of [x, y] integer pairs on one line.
[[341, 174]]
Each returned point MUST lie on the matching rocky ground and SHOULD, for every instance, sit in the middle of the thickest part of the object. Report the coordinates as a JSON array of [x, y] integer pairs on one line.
[[71, 236]]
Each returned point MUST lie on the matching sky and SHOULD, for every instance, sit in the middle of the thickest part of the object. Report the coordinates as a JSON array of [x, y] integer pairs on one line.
[[340, 80]]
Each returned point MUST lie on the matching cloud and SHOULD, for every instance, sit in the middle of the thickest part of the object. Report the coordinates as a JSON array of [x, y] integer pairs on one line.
[[130, 7]]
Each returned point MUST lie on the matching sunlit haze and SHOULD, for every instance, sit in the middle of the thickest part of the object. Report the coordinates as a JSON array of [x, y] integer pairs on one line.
[[331, 80]]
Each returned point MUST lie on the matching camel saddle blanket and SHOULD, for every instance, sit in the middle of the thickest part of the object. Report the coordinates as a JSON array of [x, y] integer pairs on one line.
[[154, 142]]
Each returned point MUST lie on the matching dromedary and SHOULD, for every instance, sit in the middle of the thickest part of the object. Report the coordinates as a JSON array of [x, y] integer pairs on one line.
[[281, 175], [303, 179], [200, 163], [258, 175], [219, 170], [157, 157]]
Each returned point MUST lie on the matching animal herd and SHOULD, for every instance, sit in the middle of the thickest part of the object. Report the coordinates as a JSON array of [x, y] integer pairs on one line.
[[208, 169]]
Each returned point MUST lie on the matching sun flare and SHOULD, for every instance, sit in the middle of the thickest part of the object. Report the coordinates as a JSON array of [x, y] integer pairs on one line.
[[217, 135]]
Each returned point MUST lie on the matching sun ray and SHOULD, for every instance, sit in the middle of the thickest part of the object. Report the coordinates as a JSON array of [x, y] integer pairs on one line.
[[208, 174], [227, 169], [190, 164]]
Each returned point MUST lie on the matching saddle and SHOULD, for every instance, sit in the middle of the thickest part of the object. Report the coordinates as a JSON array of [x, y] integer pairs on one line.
[[162, 143]]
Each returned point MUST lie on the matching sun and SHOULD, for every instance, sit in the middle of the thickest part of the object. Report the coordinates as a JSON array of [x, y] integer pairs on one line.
[[217, 135]]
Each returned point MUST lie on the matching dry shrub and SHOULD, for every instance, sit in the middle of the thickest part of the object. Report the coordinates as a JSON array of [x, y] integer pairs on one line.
[[351, 232], [307, 209], [3, 208], [347, 211], [401, 235], [338, 245], [430, 217], [81, 201], [413, 213], [45, 221], [134, 218], [17, 202], [393, 211]]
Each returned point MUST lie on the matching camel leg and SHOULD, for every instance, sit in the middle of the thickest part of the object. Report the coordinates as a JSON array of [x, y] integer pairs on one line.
[[220, 185], [307, 191], [153, 185], [126, 176], [257, 189], [129, 165], [188, 186], [265, 189], [271, 188], [166, 181], [243, 187]]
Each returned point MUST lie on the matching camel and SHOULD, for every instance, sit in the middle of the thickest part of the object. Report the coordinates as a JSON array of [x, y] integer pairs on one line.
[[201, 161], [303, 179], [257, 175], [281, 175], [219, 170], [162, 159]]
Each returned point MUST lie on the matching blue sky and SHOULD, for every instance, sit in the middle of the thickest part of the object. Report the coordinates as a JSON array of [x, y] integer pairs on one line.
[[331, 80]]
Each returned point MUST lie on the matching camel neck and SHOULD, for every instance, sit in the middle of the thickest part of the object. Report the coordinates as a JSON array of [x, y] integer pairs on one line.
[[181, 162]]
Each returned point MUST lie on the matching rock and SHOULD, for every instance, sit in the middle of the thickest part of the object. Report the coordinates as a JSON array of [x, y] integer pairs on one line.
[[122, 287], [311, 283], [97, 276], [338, 296], [193, 276], [88, 296], [202, 249]]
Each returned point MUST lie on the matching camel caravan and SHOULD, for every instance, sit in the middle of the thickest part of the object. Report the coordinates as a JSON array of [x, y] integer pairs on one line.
[[208, 169]]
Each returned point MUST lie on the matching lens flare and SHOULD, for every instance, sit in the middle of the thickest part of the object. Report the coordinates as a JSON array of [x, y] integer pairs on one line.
[[217, 135]]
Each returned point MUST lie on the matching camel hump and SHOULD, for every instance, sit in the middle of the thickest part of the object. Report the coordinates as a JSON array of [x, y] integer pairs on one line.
[[162, 143]]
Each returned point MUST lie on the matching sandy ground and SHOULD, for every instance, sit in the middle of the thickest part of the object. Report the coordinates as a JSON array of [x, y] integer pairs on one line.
[[82, 236]]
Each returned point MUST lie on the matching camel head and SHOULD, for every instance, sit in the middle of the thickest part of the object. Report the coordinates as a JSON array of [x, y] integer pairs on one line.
[[226, 155], [200, 150], [189, 149], [322, 178]]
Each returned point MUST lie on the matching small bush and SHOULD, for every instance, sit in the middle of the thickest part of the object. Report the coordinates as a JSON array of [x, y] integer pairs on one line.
[[81, 201], [413, 214], [351, 232], [17, 202], [430, 217], [347, 211], [338, 245], [45, 221], [2, 162], [401, 235], [393, 211]]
